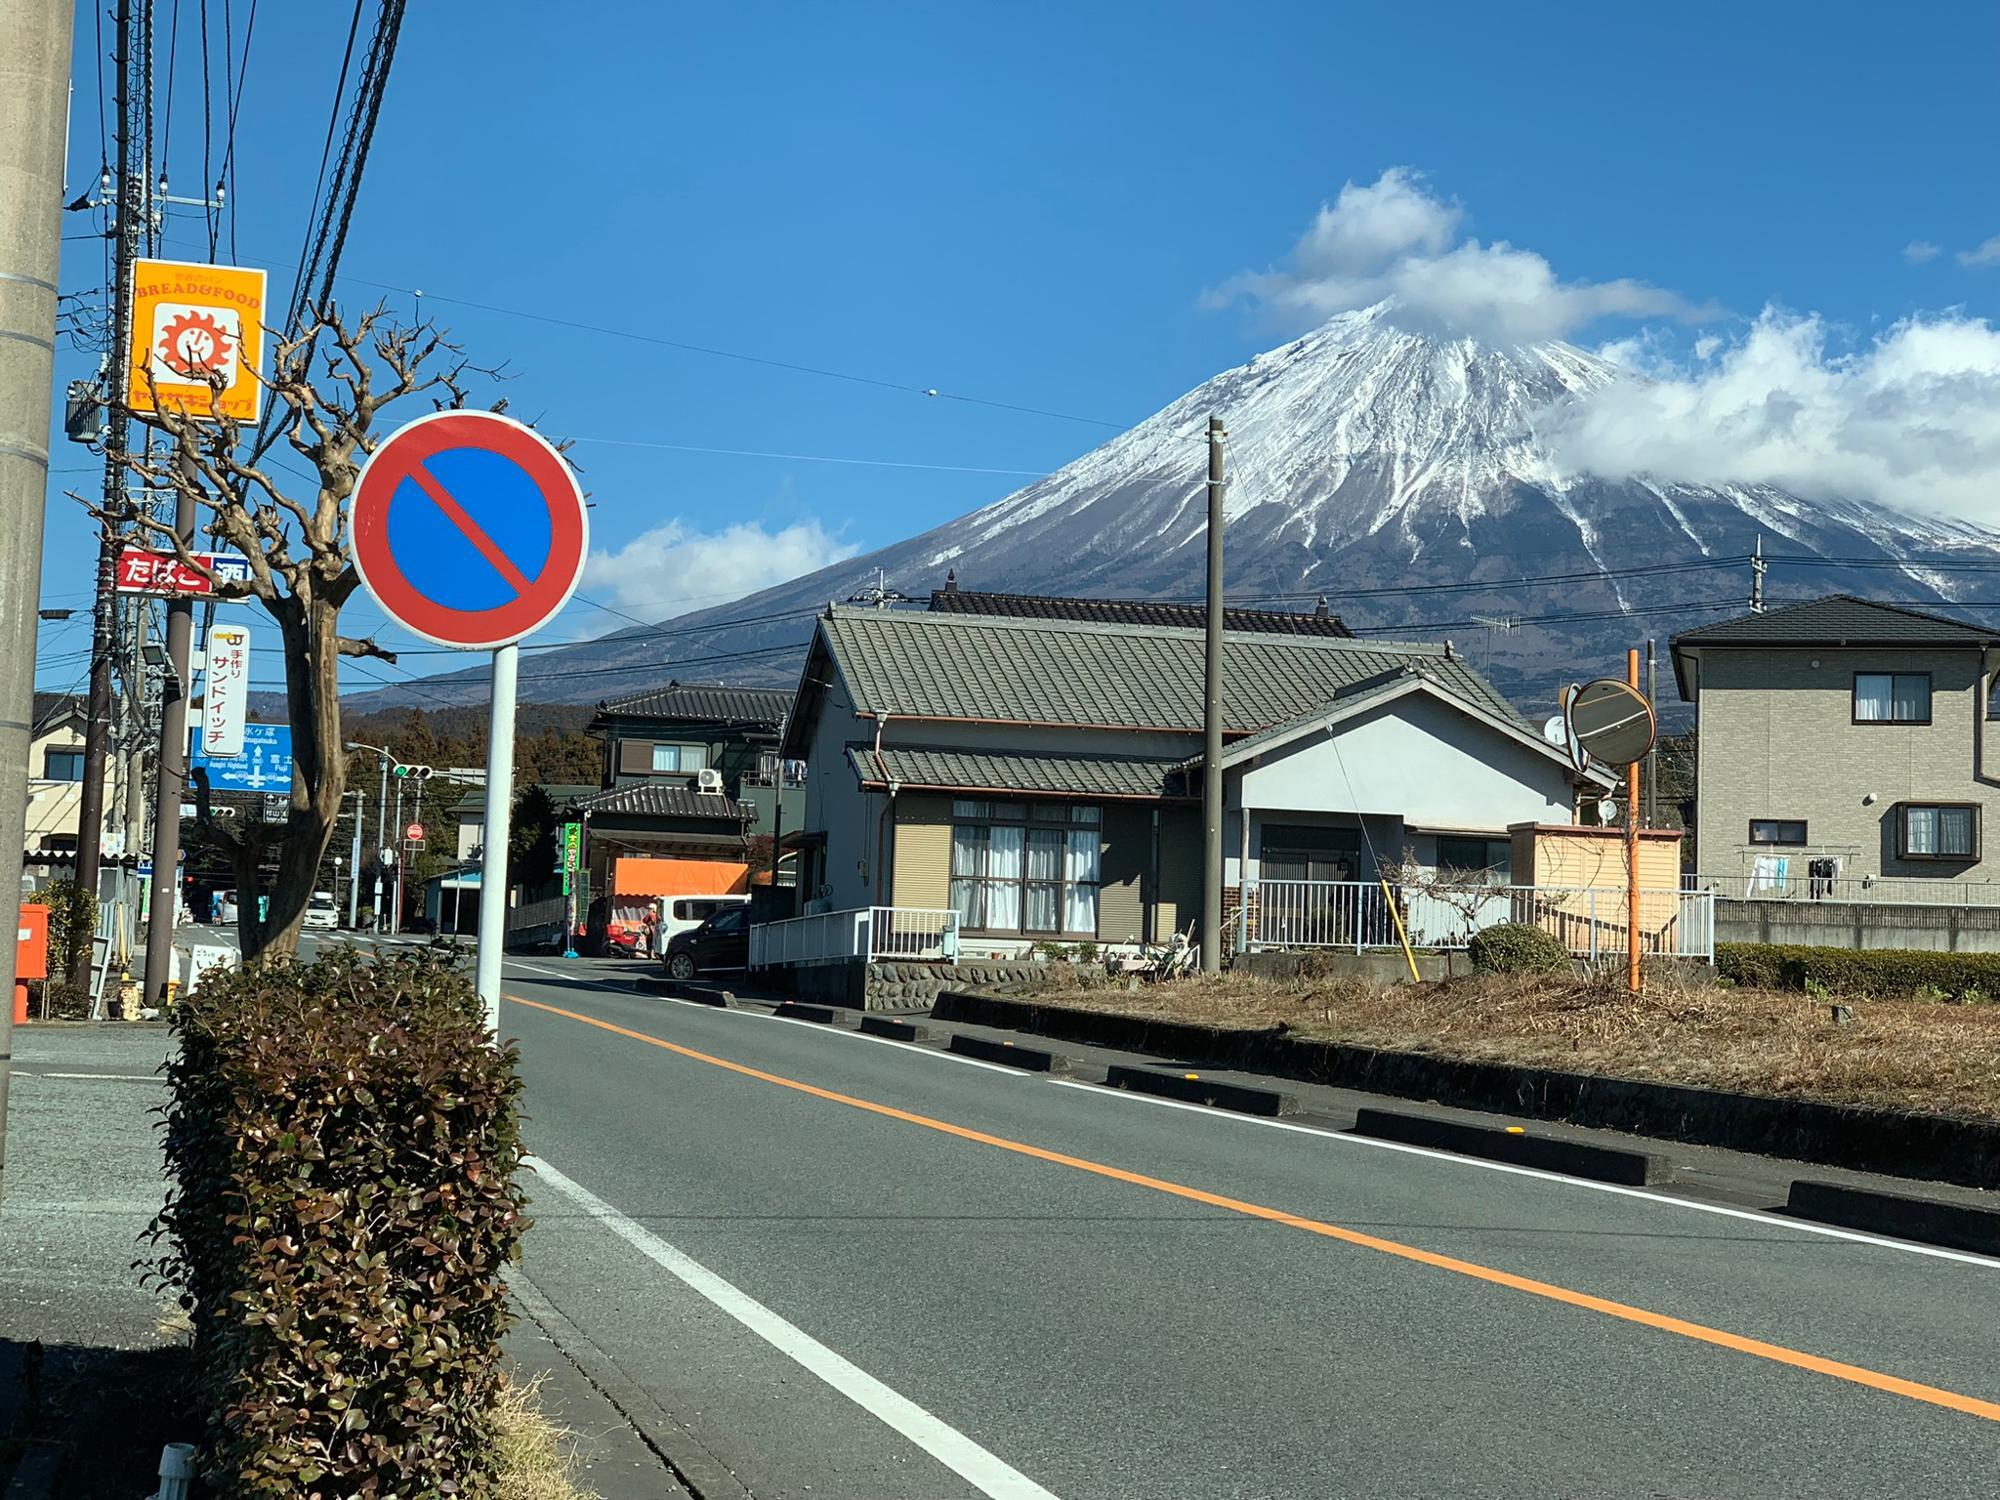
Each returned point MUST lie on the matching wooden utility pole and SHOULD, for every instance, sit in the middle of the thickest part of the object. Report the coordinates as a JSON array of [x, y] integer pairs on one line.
[[171, 765], [1211, 720], [1653, 755], [34, 92]]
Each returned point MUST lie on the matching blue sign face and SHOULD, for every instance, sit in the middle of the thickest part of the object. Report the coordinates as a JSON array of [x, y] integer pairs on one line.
[[264, 766]]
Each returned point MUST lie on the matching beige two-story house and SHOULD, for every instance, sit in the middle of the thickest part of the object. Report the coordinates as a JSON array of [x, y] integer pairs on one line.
[[1842, 749]]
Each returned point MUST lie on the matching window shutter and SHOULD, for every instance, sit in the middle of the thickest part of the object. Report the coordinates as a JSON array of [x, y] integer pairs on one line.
[[635, 757]]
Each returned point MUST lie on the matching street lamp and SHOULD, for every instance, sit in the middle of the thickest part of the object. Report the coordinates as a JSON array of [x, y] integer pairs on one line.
[[385, 760]]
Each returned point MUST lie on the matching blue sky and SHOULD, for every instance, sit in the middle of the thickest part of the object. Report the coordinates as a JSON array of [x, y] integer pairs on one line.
[[1027, 203]]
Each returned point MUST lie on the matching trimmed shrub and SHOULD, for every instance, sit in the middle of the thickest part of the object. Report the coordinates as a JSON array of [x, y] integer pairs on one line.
[[1873, 973], [345, 1143], [72, 922], [1516, 948]]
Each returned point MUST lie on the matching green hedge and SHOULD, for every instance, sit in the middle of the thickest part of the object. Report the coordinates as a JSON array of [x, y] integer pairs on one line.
[[1517, 948], [345, 1145], [1880, 973]]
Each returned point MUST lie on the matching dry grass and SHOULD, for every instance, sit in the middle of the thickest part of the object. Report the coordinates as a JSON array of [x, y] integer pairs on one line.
[[535, 1458], [1893, 1054]]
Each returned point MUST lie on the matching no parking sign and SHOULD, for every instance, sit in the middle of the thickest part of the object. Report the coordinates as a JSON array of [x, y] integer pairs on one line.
[[469, 529]]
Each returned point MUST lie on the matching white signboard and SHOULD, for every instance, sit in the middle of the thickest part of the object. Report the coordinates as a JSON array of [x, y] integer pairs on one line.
[[226, 700]]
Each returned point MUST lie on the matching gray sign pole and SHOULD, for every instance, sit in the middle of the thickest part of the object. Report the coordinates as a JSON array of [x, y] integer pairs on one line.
[[493, 850]]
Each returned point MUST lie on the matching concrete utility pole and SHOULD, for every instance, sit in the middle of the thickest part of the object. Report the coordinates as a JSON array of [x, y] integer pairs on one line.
[[34, 95], [354, 861], [104, 631], [172, 766], [1211, 720]]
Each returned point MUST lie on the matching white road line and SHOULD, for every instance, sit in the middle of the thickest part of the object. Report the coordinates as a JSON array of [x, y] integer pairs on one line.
[[950, 1447], [1348, 1138]]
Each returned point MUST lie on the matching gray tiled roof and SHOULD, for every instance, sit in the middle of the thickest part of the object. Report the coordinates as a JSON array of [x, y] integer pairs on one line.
[[954, 666], [1837, 620], [649, 799], [704, 703], [1002, 771], [49, 707], [1135, 612]]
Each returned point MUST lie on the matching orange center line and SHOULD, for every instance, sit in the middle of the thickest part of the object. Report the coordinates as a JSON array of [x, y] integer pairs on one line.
[[474, 533], [1625, 1312]]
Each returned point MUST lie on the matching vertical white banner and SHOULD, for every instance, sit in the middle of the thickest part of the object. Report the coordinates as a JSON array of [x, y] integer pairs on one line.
[[226, 698]]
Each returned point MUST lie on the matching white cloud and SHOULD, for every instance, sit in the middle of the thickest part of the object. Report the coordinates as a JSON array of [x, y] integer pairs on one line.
[[1909, 418], [668, 568], [1919, 251], [1985, 253], [1396, 241]]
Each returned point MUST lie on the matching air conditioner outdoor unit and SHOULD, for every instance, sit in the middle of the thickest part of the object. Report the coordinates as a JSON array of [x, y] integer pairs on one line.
[[708, 780]]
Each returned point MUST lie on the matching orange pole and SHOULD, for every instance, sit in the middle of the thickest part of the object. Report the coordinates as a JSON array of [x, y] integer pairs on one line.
[[1632, 849]]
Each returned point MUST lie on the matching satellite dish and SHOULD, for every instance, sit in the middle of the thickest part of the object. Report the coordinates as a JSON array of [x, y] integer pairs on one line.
[[1555, 731], [1607, 812], [1611, 721]]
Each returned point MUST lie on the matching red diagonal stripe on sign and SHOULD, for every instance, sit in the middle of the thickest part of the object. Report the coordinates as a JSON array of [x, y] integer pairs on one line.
[[488, 548]]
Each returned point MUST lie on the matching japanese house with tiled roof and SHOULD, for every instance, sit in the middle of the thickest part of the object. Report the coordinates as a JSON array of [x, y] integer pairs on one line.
[[691, 779], [1034, 763], [1843, 749]]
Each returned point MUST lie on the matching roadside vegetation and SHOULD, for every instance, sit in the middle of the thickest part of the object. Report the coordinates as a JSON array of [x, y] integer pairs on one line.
[[1929, 1053], [346, 1142]]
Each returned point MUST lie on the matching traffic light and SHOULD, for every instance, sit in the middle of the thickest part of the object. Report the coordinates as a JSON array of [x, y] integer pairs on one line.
[[413, 773]]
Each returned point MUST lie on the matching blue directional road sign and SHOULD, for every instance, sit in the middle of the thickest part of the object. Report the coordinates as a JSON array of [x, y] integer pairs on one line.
[[264, 766]]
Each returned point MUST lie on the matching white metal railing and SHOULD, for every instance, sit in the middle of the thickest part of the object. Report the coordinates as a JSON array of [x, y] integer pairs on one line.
[[1355, 914], [1793, 880], [909, 933]]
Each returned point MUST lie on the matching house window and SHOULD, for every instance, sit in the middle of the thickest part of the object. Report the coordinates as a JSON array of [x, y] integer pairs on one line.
[[1892, 697], [1937, 830], [1479, 861], [1778, 831], [679, 758], [62, 765], [1026, 869]]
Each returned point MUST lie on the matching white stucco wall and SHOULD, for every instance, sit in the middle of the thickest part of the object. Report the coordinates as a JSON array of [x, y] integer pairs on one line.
[[1414, 764]]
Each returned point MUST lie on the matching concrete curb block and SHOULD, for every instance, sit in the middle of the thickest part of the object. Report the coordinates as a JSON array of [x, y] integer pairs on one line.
[[673, 988], [895, 1031], [791, 1010], [1493, 1143], [1938, 1147], [1028, 1059], [1897, 1215], [1194, 1089]]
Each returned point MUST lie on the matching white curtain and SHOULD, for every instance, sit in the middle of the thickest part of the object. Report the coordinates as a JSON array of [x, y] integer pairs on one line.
[[1080, 873], [1045, 867], [968, 860], [1872, 697], [1921, 829], [1954, 830], [1003, 869]]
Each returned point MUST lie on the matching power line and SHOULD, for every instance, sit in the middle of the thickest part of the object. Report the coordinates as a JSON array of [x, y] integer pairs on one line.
[[236, 103]]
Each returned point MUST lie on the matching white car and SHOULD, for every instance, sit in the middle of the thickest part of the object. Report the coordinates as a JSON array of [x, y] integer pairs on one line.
[[321, 912]]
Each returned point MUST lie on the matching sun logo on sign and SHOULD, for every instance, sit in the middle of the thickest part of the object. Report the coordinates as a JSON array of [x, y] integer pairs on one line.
[[194, 345]]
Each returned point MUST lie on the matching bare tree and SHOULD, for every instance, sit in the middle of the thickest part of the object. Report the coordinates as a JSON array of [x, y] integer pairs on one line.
[[295, 536]]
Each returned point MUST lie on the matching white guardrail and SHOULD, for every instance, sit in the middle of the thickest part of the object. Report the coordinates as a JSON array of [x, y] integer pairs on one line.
[[1357, 915], [869, 932]]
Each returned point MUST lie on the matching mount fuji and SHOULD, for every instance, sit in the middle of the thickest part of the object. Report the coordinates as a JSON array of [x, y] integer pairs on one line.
[[1408, 478]]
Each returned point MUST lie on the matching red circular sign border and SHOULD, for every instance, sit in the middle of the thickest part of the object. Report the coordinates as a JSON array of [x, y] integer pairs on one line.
[[402, 601]]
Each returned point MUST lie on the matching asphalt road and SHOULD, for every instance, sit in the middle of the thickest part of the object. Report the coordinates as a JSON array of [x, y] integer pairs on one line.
[[852, 1268]]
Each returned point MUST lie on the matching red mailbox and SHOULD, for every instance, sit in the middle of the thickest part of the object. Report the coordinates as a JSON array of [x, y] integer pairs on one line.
[[31, 954]]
